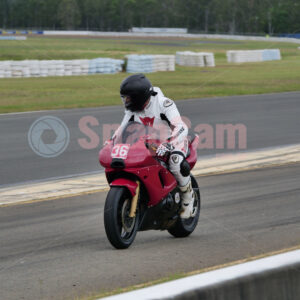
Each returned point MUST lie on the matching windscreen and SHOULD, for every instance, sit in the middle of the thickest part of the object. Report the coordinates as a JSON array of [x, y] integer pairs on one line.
[[133, 131]]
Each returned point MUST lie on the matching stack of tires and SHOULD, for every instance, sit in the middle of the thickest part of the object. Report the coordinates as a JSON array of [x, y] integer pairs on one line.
[[45, 68], [195, 59], [242, 56], [150, 63]]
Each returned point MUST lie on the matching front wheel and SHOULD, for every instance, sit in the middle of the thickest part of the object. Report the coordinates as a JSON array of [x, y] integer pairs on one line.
[[184, 227], [119, 227]]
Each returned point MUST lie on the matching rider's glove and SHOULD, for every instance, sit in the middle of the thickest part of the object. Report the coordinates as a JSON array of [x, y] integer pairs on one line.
[[164, 148]]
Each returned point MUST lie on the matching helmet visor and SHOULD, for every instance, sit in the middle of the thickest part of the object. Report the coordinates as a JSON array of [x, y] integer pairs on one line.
[[126, 101]]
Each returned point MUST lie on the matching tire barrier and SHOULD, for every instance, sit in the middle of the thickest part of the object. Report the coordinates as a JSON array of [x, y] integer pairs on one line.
[[45, 68], [276, 277], [271, 54], [195, 59], [241, 56], [21, 32], [291, 35], [150, 63], [13, 38], [105, 65]]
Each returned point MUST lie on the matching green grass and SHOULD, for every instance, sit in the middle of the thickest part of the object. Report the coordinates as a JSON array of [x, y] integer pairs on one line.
[[26, 94]]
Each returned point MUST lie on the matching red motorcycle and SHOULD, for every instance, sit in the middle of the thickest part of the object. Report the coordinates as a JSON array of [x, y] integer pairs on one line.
[[143, 193]]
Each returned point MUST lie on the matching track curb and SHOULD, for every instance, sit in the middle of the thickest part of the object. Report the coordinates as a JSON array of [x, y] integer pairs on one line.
[[221, 164]]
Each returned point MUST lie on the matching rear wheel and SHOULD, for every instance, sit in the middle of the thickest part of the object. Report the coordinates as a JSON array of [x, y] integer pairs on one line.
[[184, 227], [119, 227]]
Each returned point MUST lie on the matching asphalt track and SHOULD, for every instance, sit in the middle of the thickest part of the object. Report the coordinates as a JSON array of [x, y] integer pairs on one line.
[[271, 120], [58, 249]]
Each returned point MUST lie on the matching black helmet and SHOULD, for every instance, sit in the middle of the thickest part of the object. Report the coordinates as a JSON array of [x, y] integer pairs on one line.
[[138, 89]]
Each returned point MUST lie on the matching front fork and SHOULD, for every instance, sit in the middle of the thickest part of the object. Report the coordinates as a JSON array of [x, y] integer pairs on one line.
[[135, 201], [133, 188]]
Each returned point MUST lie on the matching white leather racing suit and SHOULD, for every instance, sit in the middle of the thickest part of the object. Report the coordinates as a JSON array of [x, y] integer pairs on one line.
[[162, 113]]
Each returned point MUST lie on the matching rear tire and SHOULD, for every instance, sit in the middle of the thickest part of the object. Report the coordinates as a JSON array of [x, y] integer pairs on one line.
[[184, 227], [119, 227]]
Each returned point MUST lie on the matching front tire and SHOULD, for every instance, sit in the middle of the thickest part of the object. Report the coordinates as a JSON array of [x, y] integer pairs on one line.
[[184, 227], [119, 227]]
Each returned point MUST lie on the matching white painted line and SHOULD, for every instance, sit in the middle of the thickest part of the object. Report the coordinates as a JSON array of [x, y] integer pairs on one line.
[[209, 279], [25, 112], [96, 182]]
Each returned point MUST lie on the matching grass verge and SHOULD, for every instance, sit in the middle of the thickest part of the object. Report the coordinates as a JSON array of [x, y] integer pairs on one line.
[[28, 94]]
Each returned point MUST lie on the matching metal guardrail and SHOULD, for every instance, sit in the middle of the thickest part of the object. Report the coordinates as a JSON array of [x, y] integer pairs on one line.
[[158, 30], [179, 32]]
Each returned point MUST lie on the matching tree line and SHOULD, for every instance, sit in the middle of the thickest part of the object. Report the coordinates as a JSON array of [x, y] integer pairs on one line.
[[209, 16]]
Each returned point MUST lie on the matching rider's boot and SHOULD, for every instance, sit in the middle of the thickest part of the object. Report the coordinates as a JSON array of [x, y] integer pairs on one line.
[[187, 196]]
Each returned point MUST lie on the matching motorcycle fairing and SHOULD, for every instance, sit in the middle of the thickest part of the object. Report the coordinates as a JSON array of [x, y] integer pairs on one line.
[[192, 158], [129, 184], [157, 180]]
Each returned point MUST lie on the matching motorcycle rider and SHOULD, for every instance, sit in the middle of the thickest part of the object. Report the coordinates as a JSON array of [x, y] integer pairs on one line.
[[147, 105]]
